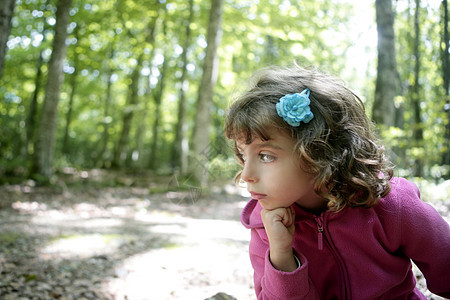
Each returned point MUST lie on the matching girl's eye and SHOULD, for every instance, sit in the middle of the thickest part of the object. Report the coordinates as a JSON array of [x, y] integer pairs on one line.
[[266, 158], [241, 157]]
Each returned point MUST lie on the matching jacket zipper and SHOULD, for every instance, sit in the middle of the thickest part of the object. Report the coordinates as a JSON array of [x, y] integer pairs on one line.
[[319, 224], [345, 288]]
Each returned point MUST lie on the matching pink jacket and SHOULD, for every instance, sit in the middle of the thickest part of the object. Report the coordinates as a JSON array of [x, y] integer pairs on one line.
[[357, 253]]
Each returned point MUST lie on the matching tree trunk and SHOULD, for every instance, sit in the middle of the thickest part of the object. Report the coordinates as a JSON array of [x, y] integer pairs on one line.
[[120, 153], [446, 77], [32, 113], [383, 112], [73, 84], [200, 140], [417, 128], [153, 160], [6, 13], [446, 50], [102, 155], [181, 145], [271, 51], [133, 100], [138, 153], [33, 110], [48, 122], [153, 163]]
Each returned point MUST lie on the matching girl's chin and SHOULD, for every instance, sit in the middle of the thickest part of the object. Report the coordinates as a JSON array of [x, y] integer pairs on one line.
[[267, 205], [264, 205]]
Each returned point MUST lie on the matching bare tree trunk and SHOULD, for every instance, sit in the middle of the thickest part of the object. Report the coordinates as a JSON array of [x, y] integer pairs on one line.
[[32, 113], [33, 110], [120, 152], [141, 128], [446, 77], [48, 122], [417, 129], [137, 155], [383, 111], [271, 50], [446, 50], [181, 145], [133, 99], [6, 13], [153, 160], [200, 140], [102, 155], [153, 163], [73, 84]]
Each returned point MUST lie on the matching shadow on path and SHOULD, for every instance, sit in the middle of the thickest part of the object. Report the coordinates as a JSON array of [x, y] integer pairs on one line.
[[121, 243]]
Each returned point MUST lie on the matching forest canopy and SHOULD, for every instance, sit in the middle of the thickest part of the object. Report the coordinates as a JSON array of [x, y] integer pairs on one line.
[[133, 72]]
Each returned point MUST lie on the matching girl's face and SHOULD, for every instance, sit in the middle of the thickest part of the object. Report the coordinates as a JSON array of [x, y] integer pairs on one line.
[[273, 175]]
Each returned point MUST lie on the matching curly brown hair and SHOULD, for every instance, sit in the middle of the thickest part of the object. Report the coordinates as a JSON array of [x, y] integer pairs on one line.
[[338, 146]]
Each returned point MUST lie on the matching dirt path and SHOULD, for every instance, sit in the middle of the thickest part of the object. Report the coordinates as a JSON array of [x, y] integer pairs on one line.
[[89, 242], [121, 243]]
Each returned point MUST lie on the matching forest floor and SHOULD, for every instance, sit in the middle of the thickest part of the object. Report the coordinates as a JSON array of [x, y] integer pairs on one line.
[[87, 240]]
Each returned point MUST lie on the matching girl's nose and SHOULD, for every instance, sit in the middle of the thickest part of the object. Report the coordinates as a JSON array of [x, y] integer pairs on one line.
[[249, 173]]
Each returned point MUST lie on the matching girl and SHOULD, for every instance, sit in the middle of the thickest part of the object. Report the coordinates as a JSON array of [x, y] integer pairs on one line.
[[327, 219]]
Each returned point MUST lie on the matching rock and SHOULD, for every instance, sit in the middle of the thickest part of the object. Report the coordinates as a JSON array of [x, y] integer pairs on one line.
[[221, 296]]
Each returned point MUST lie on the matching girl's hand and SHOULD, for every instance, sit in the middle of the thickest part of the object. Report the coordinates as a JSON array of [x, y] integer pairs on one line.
[[280, 227]]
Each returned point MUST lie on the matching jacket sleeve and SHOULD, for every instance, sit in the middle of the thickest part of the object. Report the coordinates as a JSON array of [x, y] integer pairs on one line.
[[425, 238], [270, 283]]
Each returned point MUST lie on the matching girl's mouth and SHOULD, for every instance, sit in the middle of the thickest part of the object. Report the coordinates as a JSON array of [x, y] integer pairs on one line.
[[257, 196]]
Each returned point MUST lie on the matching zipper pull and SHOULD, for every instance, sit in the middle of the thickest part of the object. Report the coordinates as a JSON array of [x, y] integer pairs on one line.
[[320, 233]]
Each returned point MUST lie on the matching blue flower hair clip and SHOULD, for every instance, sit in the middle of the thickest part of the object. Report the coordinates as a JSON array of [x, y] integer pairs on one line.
[[294, 108]]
